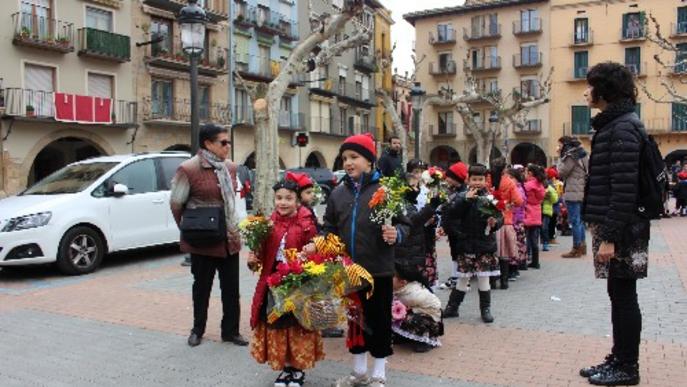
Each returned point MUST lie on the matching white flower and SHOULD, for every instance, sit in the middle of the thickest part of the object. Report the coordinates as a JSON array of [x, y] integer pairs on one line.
[[426, 177], [490, 198]]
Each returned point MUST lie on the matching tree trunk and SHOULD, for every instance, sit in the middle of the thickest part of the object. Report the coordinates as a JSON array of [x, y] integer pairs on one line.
[[484, 146], [399, 129], [265, 173]]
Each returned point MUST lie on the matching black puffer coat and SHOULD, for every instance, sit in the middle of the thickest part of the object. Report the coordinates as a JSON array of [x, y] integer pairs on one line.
[[468, 237], [413, 248], [450, 222]]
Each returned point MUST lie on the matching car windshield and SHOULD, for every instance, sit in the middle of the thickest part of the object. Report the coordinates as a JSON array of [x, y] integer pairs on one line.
[[70, 179]]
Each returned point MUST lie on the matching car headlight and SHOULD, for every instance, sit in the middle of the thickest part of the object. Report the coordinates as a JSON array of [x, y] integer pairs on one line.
[[27, 221]]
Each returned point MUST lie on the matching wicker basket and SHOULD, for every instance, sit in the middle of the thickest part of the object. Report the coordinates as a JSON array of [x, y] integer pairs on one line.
[[322, 314]]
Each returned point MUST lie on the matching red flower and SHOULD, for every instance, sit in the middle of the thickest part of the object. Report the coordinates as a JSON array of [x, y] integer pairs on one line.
[[317, 258], [501, 205], [295, 267], [283, 269], [274, 280]]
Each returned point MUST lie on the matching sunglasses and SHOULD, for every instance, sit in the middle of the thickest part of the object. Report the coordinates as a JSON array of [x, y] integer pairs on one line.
[[224, 142]]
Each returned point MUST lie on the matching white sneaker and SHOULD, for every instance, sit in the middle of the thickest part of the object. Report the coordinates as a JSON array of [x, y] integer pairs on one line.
[[377, 382], [352, 380]]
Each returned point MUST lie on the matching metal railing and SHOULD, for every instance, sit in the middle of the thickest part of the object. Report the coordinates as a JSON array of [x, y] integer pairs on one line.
[[446, 68], [365, 61], [441, 38], [582, 38], [488, 63], [104, 44], [637, 69], [288, 29], [34, 30], [215, 9], [448, 129], [258, 65], [577, 128], [633, 33], [679, 28], [179, 110], [528, 93], [352, 90], [321, 124], [579, 73], [243, 114], [520, 61], [213, 59], [488, 32], [522, 27], [533, 126], [291, 121]]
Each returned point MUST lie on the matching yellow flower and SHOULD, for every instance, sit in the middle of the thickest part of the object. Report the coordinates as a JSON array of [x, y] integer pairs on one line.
[[314, 269], [289, 306]]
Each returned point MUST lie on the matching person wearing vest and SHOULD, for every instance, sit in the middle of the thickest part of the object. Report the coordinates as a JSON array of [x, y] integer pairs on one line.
[[205, 180]]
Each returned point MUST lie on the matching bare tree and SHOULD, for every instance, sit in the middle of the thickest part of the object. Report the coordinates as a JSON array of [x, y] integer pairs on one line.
[[305, 57]]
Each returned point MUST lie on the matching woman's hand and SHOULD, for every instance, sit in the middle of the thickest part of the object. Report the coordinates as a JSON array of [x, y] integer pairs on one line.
[[389, 234], [253, 261], [309, 249], [606, 252]]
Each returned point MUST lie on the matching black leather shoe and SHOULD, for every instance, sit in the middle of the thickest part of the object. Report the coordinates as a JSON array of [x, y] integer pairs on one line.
[[236, 339], [593, 370], [332, 332], [194, 340], [617, 375], [422, 347]]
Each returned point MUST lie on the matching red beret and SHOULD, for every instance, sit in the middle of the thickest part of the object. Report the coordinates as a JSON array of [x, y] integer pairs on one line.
[[302, 179], [458, 171], [361, 143]]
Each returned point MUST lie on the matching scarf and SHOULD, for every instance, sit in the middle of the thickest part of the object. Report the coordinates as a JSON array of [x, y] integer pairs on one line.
[[612, 112], [226, 187]]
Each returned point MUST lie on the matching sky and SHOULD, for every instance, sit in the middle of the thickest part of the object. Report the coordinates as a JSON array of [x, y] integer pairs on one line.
[[403, 33]]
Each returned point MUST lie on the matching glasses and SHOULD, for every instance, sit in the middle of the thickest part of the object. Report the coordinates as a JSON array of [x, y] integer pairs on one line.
[[224, 142]]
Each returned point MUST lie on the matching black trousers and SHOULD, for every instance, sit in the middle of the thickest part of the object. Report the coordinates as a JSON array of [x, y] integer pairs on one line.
[[203, 269], [377, 319], [626, 319]]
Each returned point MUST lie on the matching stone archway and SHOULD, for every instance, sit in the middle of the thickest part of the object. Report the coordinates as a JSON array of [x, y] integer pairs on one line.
[[472, 158], [526, 153], [59, 153], [444, 156], [315, 160], [338, 164], [250, 162]]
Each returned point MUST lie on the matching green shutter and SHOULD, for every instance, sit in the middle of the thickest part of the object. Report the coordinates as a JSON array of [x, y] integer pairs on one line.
[[581, 116], [581, 64], [682, 20], [679, 117], [638, 110], [626, 18]]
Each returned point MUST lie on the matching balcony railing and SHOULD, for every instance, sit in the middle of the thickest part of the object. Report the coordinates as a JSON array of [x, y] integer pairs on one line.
[[288, 29], [526, 27], [41, 104], [447, 68], [678, 29], [531, 127], [679, 68], [41, 32], [216, 10], [258, 66], [448, 37], [243, 114], [492, 31], [637, 69], [527, 61], [582, 38], [365, 62], [104, 45], [487, 64], [448, 129], [577, 128], [179, 110], [321, 124], [633, 33], [579, 73], [291, 121], [528, 93], [268, 22], [213, 62], [353, 91]]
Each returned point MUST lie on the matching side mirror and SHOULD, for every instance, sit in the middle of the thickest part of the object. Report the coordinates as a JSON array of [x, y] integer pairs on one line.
[[120, 190]]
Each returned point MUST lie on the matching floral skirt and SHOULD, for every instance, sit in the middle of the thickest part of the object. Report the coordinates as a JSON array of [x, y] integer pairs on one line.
[[429, 270], [521, 244], [480, 265], [292, 345], [631, 259], [420, 328]]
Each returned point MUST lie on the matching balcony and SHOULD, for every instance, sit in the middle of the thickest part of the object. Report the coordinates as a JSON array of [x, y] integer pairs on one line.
[[353, 92], [678, 30], [531, 128], [633, 34], [577, 128], [288, 29], [582, 39], [490, 63], [679, 68], [291, 121], [529, 92], [42, 33], [268, 22], [443, 130], [243, 115], [104, 45], [36, 104], [527, 27], [258, 67], [578, 74], [447, 68], [216, 10], [212, 63], [365, 62], [447, 37], [245, 15], [637, 69], [178, 111], [527, 61], [322, 125], [493, 31]]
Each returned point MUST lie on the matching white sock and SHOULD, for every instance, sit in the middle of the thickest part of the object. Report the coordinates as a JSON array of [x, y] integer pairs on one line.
[[483, 284], [360, 363], [462, 284], [455, 269], [379, 368]]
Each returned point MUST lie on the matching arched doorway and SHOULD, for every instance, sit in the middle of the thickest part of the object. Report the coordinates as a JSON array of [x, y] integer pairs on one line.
[[315, 160], [472, 158], [59, 153], [443, 156], [526, 153], [338, 164], [250, 162], [179, 148]]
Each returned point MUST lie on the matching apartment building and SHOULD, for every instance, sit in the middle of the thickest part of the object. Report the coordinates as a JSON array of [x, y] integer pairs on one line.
[[66, 86], [505, 45], [383, 76], [589, 32]]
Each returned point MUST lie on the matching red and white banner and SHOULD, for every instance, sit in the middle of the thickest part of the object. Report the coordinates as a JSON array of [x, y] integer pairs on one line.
[[82, 109]]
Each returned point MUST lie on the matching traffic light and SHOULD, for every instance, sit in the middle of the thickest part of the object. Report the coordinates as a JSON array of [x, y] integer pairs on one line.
[[302, 139]]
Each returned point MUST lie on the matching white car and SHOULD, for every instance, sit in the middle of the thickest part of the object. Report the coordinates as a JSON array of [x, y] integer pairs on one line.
[[88, 209]]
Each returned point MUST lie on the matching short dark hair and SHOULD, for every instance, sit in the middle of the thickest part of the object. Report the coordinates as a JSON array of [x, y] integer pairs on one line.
[[209, 132], [477, 170], [613, 82], [414, 164], [394, 137]]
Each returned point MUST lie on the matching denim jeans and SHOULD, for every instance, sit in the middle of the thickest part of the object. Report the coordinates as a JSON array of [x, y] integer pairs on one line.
[[546, 223], [574, 210]]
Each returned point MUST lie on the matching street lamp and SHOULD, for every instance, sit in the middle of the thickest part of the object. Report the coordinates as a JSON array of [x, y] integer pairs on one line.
[[417, 94], [493, 121], [192, 21]]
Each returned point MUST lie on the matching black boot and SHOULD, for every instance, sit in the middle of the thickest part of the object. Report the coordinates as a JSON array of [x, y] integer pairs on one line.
[[617, 374], [504, 273], [454, 300], [485, 306], [492, 282], [593, 370], [535, 260]]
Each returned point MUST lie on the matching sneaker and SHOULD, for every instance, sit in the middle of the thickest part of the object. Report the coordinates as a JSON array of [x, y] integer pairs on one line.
[[297, 377], [422, 347], [284, 378], [352, 380], [545, 247], [377, 382], [593, 370], [617, 375], [449, 284]]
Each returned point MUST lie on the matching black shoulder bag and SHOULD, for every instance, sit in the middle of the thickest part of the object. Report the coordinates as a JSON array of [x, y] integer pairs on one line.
[[203, 226]]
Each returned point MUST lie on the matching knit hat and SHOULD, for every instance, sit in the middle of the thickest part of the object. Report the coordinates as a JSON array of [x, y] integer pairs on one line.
[[361, 143], [682, 175], [302, 179], [552, 173], [458, 171]]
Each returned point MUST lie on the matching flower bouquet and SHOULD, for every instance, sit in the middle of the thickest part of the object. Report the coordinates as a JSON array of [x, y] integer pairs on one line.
[[319, 194], [388, 201], [254, 229], [489, 206], [435, 180], [398, 311]]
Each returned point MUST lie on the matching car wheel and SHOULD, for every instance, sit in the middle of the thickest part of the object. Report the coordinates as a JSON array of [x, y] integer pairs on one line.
[[81, 251]]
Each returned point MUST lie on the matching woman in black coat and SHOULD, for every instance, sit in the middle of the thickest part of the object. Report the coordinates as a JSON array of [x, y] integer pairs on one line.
[[620, 235]]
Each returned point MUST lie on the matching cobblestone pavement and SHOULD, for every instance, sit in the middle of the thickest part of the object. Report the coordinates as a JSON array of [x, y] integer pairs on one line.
[[126, 325]]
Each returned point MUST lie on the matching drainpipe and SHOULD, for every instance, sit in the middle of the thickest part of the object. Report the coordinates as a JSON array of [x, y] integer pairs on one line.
[[231, 60]]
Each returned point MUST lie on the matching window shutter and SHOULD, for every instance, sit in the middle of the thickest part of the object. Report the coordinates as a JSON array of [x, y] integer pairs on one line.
[[39, 78], [100, 85]]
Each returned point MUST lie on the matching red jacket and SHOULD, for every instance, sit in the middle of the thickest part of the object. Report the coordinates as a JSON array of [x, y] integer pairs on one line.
[[508, 192], [299, 229], [535, 196]]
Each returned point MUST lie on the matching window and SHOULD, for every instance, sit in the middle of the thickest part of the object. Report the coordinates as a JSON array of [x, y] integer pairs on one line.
[[477, 56], [484, 25], [445, 123], [445, 62], [100, 85], [342, 120], [161, 28], [633, 25], [445, 33], [529, 20], [204, 102], [681, 20], [168, 168], [342, 85], [365, 123], [581, 64], [36, 15], [358, 89], [39, 83], [679, 117], [529, 88], [529, 55], [681, 58], [242, 113], [139, 177], [581, 34], [264, 60], [633, 60], [161, 96], [99, 19], [581, 117]]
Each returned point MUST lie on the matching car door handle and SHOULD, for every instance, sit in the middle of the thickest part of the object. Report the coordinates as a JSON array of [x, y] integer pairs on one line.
[[159, 201]]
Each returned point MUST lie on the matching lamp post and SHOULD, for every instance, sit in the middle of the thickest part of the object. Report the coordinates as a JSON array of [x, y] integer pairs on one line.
[[493, 122], [192, 21], [417, 94]]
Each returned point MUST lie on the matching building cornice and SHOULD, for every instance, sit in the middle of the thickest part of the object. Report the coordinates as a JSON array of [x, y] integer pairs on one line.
[[589, 3], [462, 9]]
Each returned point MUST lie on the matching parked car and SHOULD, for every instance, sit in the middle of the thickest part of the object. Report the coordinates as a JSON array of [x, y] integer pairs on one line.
[[339, 175], [323, 176], [78, 214]]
